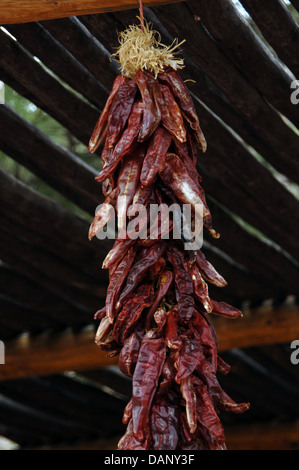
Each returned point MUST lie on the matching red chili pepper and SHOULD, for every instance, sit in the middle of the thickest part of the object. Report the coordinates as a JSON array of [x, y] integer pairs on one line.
[[173, 340], [127, 184], [129, 441], [104, 214], [151, 113], [129, 354], [139, 271], [126, 144], [164, 282], [131, 311], [201, 291], [148, 369], [208, 271], [120, 111], [116, 282], [183, 286], [208, 418], [225, 310], [183, 97], [189, 395], [118, 251], [171, 115], [100, 129], [176, 177], [155, 156], [164, 425]]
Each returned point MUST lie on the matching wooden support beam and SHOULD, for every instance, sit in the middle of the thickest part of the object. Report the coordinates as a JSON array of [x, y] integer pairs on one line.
[[21, 11], [250, 437], [54, 353]]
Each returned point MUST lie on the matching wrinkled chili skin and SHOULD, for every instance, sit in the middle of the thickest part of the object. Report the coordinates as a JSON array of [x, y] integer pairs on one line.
[[148, 369], [116, 282], [126, 144], [120, 111], [151, 112], [155, 156], [183, 97], [171, 115], [139, 270], [102, 123]]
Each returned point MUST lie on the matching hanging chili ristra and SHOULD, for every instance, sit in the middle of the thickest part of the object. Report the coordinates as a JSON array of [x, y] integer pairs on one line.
[[156, 316]]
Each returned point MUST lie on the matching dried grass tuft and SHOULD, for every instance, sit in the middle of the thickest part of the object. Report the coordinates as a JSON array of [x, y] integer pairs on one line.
[[142, 49]]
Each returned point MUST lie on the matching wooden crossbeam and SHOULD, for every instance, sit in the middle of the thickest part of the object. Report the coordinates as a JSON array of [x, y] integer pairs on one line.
[[53, 353], [250, 437], [22, 11]]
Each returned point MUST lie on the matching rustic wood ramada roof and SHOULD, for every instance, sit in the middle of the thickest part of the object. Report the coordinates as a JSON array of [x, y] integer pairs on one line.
[[57, 389]]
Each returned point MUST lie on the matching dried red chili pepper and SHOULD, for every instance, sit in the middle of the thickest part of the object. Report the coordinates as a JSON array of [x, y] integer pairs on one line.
[[99, 133], [171, 115], [151, 113], [182, 95], [148, 369], [120, 111], [139, 270], [116, 282], [155, 156], [126, 144]]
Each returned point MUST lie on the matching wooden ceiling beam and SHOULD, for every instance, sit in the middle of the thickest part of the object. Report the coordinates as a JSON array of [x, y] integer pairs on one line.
[[250, 437], [21, 11], [52, 353]]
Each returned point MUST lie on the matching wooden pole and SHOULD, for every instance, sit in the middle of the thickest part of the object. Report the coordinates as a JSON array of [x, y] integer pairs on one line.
[[22, 11], [53, 353]]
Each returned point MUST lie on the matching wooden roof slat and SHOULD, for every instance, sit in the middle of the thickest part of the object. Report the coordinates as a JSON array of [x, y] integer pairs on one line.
[[54, 98], [247, 51], [240, 283], [251, 191], [13, 255], [85, 47], [263, 436], [43, 395], [279, 28], [39, 42], [20, 11], [70, 175], [34, 295], [56, 268], [262, 260], [239, 91], [45, 218], [54, 353], [16, 315]]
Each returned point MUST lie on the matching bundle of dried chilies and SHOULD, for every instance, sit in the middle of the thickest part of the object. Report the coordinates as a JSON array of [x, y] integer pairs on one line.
[[156, 316]]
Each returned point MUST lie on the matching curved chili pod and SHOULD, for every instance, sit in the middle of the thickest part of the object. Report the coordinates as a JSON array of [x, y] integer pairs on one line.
[[127, 184], [155, 156], [120, 111], [147, 372], [129, 354], [126, 144], [139, 270], [208, 271], [183, 97], [103, 215], [151, 113], [225, 310], [171, 115], [100, 129], [176, 177], [164, 425], [116, 282]]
